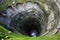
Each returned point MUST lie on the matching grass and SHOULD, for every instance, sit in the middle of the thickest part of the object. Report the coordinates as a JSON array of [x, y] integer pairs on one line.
[[7, 35]]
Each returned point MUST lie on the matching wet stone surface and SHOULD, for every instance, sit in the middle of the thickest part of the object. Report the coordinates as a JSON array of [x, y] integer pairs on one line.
[[31, 19]]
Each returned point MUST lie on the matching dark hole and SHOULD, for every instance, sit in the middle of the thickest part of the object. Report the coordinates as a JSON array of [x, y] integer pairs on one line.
[[31, 27]]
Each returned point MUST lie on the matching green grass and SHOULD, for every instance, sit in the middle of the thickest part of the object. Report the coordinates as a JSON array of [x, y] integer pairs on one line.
[[7, 35]]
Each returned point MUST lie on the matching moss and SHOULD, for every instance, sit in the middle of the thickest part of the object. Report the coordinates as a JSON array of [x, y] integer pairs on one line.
[[13, 36], [9, 2]]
